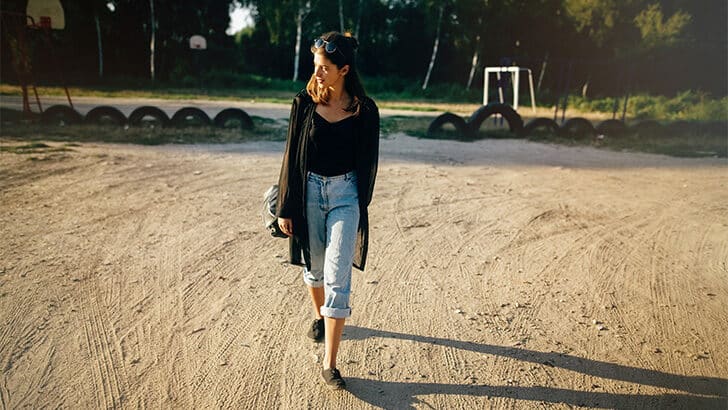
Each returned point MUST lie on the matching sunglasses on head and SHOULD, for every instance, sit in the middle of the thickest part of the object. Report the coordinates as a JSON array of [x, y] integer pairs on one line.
[[329, 46]]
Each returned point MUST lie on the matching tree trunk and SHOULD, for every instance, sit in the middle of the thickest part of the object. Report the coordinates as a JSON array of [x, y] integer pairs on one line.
[[474, 62], [341, 16], [434, 48], [303, 11], [543, 71], [101, 49], [299, 24], [358, 18], [151, 42]]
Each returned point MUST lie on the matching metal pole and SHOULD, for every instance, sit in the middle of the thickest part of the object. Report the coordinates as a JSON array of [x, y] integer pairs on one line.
[[516, 82], [486, 77], [500, 87], [533, 95]]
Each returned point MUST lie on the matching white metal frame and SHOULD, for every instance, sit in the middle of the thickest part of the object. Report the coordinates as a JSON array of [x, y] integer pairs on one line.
[[516, 71]]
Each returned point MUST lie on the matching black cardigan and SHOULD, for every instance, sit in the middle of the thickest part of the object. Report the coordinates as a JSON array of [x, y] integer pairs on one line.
[[292, 181]]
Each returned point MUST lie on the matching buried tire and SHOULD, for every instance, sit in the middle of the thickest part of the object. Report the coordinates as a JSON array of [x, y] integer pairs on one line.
[[462, 128], [61, 115], [532, 128], [578, 128], [515, 122], [233, 118], [647, 128], [105, 115], [190, 117], [148, 116], [611, 128]]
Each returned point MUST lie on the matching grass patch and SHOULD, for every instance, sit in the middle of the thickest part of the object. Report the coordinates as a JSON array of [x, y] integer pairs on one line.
[[687, 105], [687, 145], [693, 144], [265, 130]]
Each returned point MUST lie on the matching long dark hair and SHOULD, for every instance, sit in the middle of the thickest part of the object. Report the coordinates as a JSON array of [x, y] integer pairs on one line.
[[345, 53]]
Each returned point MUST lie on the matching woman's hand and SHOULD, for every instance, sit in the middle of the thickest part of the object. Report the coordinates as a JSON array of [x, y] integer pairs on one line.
[[286, 225]]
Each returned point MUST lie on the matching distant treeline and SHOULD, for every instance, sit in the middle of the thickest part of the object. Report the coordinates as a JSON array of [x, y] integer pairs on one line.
[[591, 47]]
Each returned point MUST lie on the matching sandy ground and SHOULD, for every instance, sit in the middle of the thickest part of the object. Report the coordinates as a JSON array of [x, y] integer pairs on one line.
[[502, 274]]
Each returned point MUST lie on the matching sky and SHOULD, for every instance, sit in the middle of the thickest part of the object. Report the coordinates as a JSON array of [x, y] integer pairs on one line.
[[239, 19]]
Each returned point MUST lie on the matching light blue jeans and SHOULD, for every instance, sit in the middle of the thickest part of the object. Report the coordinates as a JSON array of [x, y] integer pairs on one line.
[[332, 214]]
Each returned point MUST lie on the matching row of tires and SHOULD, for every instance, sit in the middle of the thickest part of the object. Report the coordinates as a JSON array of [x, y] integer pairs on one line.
[[574, 127], [147, 116]]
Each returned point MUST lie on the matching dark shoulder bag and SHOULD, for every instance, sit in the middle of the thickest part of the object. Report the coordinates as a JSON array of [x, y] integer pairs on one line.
[[270, 221]]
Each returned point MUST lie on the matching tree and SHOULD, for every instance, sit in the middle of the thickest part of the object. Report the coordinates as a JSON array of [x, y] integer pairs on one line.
[[470, 16], [434, 46], [359, 11], [303, 9], [341, 16]]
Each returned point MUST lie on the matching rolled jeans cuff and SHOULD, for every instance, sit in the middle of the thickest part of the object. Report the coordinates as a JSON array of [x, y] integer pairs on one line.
[[335, 313]]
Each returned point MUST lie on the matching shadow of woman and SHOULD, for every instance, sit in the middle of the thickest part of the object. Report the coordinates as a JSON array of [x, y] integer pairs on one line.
[[705, 386], [399, 395]]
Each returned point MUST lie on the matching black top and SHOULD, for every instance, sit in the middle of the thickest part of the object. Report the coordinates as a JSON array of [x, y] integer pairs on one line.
[[332, 147]]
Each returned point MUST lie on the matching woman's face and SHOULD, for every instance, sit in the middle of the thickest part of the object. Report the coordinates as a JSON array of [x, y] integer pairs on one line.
[[327, 73]]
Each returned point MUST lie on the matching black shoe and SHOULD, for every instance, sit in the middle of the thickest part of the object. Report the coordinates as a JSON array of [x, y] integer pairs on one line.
[[316, 332], [333, 379]]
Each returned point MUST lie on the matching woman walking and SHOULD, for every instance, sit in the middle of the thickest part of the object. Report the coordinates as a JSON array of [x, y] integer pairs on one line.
[[326, 183]]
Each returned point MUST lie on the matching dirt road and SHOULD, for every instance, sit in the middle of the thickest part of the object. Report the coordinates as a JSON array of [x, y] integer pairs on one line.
[[502, 274]]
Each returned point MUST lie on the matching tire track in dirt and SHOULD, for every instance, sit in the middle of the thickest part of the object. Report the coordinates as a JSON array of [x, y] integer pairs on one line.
[[109, 373], [199, 312], [4, 393], [436, 276]]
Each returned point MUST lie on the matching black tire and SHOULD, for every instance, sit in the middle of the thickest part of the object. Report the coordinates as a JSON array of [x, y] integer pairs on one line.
[[158, 117], [236, 116], [611, 128], [578, 128], [105, 115], [61, 115], [449, 118], [190, 117], [541, 123], [515, 122], [647, 128]]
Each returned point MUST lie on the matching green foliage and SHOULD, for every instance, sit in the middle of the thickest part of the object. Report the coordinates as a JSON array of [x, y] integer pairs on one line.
[[222, 78], [665, 45], [398, 88], [658, 31], [595, 18]]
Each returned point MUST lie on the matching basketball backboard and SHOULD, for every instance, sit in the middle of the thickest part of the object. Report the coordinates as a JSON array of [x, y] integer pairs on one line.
[[46, 14], [198, 42]]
